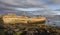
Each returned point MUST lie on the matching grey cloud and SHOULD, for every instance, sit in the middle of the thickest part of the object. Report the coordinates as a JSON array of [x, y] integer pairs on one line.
[[53, 1], [25, 3], [57, 10], [9, 5], [56, 1]]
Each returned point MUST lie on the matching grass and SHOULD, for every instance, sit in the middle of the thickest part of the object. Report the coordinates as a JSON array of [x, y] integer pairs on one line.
[[31, 25], [1, 32]]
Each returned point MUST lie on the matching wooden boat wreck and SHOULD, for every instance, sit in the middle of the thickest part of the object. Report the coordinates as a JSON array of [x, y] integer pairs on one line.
[[13, 18]]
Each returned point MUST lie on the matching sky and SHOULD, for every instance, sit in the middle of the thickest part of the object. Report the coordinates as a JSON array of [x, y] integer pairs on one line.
[[40, 7]]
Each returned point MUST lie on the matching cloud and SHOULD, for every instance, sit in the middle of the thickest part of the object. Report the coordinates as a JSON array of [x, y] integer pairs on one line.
[[28, 9], [24, 3], [56, 1], [53, 1], [57, 10], [16, 5]]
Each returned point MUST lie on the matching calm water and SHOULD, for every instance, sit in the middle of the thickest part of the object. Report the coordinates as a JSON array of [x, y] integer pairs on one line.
[[53, 20]]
